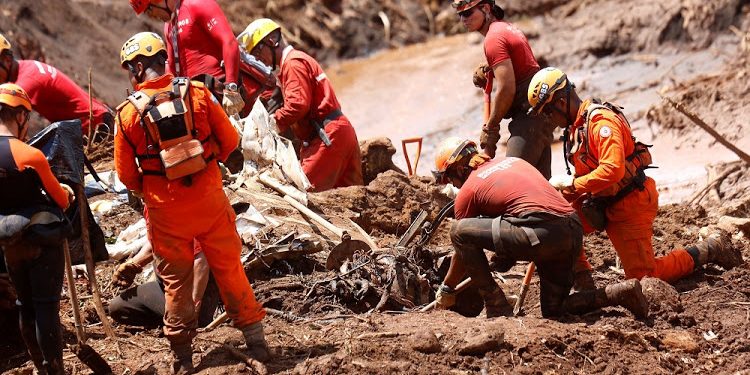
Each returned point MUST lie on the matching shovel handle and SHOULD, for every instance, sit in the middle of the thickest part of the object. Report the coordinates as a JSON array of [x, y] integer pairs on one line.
[[459, 288], [529, 273], [315, 217], [418, 141], [524, 287], [80, 334]]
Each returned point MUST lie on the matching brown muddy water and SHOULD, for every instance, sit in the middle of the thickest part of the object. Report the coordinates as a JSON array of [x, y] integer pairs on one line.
[[425, 90]]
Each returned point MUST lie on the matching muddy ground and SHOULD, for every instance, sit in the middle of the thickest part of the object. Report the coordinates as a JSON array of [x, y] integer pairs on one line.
[[690, 50]]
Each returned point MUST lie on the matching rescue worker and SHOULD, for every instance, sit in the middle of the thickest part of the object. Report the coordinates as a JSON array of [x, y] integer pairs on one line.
[[53, 94], [35, 269], [511, 64], [506, 206], [183, 191], [143, 305], [609, 187], [200, 45], [329, 155]]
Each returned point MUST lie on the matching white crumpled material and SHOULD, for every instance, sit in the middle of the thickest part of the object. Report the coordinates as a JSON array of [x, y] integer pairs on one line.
[[263, 147], [130, 241]]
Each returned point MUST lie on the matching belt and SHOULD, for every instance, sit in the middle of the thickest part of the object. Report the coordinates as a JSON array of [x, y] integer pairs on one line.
[[320, 126]]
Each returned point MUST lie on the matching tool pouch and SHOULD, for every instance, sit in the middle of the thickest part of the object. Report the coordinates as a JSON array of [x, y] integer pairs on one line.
[[594, 211], [183, 159]]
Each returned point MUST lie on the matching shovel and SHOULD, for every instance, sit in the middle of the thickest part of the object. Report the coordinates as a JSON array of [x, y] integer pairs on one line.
[[524, 288], [85, 353], [418, 141], [339, 253]]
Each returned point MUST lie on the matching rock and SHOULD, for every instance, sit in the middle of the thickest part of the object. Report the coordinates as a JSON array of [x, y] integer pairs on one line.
[[680, 340], [479, 344], [662, 297], [731, 224], [425, 342], [377, 157]]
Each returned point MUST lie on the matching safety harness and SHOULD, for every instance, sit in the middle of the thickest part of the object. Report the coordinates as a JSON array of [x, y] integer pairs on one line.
[[635, 163], [171, 138]]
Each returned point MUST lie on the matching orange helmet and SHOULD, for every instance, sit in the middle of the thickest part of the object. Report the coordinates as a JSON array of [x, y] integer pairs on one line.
[[462, 5], [449, 152], [13, 95]]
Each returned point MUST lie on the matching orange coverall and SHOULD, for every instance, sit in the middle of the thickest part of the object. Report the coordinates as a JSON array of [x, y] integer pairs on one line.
[[630, 220], [179, 213], [309, 99]]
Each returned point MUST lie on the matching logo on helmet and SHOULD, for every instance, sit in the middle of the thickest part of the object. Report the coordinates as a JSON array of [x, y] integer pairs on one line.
[[132, 49], [543, 90]]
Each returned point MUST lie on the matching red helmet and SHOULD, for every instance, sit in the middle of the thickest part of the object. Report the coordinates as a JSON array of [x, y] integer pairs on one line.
[[140, 6], [462, 5]]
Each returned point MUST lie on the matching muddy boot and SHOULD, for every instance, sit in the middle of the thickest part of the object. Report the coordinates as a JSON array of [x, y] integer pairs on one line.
[[183, 358], [495, 303], [256, 341], [583, 281], [28, 332], [716, 249], [629, 295]]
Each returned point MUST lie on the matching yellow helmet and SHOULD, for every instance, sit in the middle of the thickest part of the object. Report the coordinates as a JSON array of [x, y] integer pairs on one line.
[[255, 32], [4, 44], [543, 87], [141, 44], [449, 152], [13, 95]]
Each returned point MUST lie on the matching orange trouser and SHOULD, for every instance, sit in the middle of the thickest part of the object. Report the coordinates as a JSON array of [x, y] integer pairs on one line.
[[209, 220], [630, 228], [338, 165]]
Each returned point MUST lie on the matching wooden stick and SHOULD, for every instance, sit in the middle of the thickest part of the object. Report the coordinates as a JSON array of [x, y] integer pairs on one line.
[[253, 364], [223, 317], [702, 193], [91, 117], [459, 288], [73, 294], [83, 205], [524, 288], [368, 239], [710, 130]]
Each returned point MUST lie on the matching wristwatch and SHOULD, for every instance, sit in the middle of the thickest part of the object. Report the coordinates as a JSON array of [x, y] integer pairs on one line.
[[231, 86]]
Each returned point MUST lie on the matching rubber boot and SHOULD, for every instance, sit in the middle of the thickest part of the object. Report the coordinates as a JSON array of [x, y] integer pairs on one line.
[[495, 303], [255, 339], [28, 332], [716, 249], [583, 281], [627, 294], [183, 358]]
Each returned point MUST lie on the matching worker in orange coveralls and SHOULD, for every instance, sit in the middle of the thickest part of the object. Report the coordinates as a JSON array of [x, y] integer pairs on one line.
[[609, 188], [330, 154], [185, 208]]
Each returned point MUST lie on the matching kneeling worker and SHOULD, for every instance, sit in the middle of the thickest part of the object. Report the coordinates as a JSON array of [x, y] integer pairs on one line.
[[506, 206], [170, 133], [330, 154], [609, 188]]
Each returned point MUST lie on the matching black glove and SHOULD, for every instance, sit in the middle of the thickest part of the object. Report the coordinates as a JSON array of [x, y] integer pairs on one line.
[[488, 140], [275, 102], [480, 76]]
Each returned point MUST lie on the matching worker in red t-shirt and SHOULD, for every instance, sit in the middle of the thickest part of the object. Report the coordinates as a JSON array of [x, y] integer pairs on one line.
[[205, 45], [511, 64], [53, 94], [330, 154], [507, 207]]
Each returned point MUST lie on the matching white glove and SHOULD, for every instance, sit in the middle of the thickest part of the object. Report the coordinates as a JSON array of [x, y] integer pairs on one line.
[[232, 102], [445, 297], [69, 190], [562, 182], [450, 191]]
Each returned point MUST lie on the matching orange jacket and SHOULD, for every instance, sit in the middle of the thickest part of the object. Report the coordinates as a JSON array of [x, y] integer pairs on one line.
[[600, 160], [209, 120], [17, 155]]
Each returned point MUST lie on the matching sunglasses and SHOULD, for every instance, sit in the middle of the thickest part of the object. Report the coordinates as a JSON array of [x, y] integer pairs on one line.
[[466, 13]]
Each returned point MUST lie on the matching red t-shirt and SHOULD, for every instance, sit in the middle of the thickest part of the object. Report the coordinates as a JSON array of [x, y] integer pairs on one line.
[[308, 93], [55, 96], [205, 38], [508, 186], [505, 41]]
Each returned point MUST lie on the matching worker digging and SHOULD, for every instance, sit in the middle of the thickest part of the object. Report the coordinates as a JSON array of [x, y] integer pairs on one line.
[[245, 206]]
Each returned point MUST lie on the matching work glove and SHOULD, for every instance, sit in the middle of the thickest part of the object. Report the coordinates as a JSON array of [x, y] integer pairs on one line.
[[488, 140], [69, 190], [480, 76], [450, 191], [562, 182], [232, 102], [125, 274], [445, 297]]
